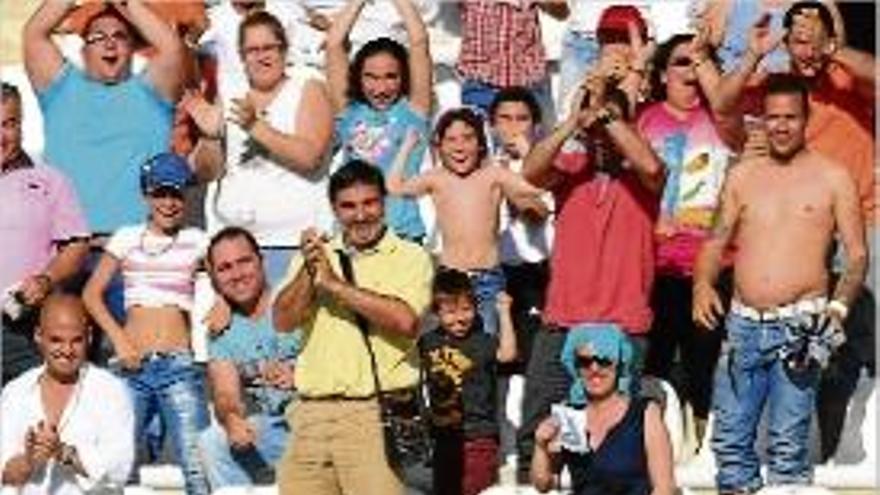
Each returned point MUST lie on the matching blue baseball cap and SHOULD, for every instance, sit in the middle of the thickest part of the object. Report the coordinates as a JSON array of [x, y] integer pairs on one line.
[[166, 170]]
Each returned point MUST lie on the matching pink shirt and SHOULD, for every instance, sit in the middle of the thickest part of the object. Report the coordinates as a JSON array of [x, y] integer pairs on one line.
[[39, 209], [602, 264], [696, 161]]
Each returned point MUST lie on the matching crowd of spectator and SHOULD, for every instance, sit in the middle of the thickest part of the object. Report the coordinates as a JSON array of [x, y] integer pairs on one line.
[[233, 246]]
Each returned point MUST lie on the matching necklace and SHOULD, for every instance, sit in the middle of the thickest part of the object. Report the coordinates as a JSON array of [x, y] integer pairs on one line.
[[153, 251]]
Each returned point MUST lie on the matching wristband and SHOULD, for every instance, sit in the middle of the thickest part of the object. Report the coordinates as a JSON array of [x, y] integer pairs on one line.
[[839, 308]]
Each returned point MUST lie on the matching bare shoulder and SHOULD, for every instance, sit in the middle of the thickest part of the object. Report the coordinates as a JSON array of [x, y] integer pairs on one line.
[[742, 172], [831, 171]]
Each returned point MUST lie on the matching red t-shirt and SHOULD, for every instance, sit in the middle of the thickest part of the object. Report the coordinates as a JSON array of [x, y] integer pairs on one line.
[[602, 264]]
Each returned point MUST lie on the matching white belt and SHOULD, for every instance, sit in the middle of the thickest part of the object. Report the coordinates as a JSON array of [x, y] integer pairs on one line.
[[810, 306]]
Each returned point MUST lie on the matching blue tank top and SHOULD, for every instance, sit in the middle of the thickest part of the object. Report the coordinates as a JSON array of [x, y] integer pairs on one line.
[[620, 465]]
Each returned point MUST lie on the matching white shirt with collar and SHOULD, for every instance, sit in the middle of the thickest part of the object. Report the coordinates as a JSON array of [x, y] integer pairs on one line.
[[98, 421]]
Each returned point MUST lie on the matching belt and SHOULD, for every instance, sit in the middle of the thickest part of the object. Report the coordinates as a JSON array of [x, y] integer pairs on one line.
[[335, 398], [809, 306], [156, 355]]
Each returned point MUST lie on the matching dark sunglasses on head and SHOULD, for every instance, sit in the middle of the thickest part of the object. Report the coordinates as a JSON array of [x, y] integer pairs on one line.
[[681, 62], [585, 362]]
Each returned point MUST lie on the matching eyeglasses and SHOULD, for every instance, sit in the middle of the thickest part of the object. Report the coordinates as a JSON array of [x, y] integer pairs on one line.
[[252, 51], [120, 37], [585, 362], [681, 62]]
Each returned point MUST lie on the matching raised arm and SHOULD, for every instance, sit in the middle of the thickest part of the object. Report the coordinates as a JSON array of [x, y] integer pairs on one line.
[[301, 149], [42, 58], [863, 66], [421, 67], [295, 303], [851, 231], [165, 70], [730, 123], [538, 167], [639, 155], [399, 185], [337, 65], [557, 9], [761, 42], [707, 306], [523, 195]]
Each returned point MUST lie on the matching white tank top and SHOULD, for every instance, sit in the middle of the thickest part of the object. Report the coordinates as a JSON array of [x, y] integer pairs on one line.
[[257, 193]]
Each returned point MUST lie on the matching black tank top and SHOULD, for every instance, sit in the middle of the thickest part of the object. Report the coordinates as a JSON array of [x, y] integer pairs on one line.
[[620, 465]]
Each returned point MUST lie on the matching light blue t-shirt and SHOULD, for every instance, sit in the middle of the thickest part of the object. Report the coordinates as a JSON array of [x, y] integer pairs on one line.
[[249, 344], [375, 136], [99, 135], [743, 14]]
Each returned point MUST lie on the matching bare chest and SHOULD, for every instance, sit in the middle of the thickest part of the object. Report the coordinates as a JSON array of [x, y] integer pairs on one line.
[[786, 201]]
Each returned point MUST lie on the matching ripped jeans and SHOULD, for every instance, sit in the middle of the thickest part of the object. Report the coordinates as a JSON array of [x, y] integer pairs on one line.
[[172, 386], [750, 375]]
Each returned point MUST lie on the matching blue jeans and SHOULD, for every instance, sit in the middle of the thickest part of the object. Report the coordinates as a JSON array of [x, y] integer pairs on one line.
[[750, 374], [252, 466], [172, 386], [487, 285]]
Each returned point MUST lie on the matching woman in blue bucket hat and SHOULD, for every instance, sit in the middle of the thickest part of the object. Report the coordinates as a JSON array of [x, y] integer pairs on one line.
[[611, 441]]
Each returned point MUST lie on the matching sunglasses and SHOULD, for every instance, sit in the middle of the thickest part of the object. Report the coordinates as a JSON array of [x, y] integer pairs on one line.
[[165, 192], [585, 362], [681, 62]]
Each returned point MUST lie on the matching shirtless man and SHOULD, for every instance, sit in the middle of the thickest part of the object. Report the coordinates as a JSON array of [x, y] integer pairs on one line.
[[465, 188], [781, 211]]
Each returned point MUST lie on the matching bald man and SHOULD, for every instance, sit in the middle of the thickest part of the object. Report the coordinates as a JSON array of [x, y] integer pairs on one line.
[[68, 426]]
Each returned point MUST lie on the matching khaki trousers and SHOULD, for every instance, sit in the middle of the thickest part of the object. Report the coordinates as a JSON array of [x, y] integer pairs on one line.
[[337, 449]]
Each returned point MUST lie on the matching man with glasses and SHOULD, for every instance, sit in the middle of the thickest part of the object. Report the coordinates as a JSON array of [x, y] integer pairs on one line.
[[101, 122], [44, 238]]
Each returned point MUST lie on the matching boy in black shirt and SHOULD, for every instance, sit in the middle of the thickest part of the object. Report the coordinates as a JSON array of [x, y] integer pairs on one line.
[[460, 360]]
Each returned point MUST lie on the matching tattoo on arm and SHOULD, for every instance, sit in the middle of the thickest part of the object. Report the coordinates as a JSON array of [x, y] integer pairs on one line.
[[850, 283]]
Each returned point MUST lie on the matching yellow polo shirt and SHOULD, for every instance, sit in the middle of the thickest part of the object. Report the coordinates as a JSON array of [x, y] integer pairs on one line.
[[333, 359]]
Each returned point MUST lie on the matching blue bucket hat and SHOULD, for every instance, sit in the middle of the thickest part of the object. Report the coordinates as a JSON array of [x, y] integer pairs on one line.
[[606, 341], [166, 170]]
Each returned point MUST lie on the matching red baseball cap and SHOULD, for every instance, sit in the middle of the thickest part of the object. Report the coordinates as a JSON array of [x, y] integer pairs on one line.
[[613, 24]]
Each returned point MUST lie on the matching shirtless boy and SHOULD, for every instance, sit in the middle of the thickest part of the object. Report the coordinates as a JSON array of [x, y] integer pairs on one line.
[[467, 194], [782, 212]]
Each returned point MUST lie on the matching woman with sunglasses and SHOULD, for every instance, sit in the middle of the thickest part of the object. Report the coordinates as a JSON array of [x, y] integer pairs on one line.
[[624, 447], [158, 260], [696, 148]]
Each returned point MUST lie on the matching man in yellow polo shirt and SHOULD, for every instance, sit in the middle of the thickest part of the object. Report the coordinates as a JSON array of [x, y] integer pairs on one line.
[[337, 437]]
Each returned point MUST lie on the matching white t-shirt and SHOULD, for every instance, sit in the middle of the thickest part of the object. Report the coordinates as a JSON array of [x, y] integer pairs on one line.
[[158, 270], [98, 421], [257, 193], [523, 241]]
